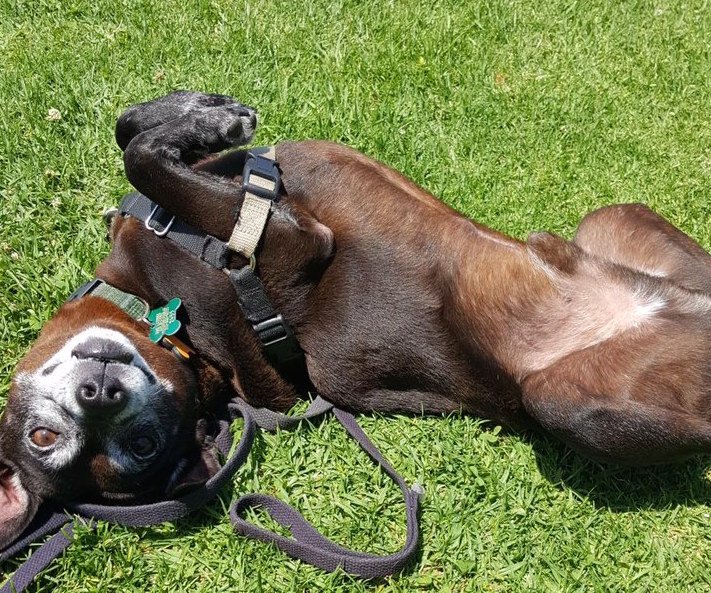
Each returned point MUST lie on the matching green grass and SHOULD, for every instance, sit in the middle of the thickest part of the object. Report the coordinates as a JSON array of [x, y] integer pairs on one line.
[[523, 115]]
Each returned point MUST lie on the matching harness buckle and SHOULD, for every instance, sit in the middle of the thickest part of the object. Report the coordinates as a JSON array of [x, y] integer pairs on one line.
[[154, 227], [261, 177], [277, 339]]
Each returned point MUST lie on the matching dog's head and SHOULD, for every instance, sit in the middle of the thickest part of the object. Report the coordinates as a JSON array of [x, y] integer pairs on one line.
[[96, 411]]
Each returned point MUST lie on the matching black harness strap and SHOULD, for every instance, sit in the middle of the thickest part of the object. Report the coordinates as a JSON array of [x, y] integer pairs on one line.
[[202, 245], [276, 336], [278, 340]]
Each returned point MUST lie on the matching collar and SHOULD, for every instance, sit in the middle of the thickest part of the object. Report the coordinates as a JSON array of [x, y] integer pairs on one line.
[[133, 305], [137, 308]]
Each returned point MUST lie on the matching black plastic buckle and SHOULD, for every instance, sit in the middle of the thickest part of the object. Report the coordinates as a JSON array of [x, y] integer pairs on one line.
[[278, 340], [262, 167], [84, 289], [156, 215]]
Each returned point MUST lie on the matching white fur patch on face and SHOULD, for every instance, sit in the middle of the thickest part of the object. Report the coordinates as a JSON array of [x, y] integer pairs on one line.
[[58, 375], [65, 353], [54, 405]]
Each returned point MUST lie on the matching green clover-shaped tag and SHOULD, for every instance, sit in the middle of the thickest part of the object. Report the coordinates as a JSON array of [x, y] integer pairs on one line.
[[164, 320]]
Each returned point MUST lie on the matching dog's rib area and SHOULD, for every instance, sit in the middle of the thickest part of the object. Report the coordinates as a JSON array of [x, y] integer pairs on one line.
[[547, 314]]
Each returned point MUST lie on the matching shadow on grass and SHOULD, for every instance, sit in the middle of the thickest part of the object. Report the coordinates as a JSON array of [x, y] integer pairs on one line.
[[621, 488]]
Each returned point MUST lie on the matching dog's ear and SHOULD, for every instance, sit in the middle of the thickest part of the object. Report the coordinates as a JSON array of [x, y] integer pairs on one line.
[[18, 506], [198, 467], [195, 473]]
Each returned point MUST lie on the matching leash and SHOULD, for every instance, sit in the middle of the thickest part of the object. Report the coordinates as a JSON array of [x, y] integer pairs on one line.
[[306, 543]]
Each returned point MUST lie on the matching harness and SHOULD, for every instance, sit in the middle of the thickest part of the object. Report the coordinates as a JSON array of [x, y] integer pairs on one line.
[[261, 182]]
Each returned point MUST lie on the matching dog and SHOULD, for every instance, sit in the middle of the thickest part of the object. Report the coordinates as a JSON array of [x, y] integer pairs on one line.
[[399, 303]]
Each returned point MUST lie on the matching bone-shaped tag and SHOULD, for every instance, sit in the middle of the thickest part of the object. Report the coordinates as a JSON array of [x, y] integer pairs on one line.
[[164, 320]]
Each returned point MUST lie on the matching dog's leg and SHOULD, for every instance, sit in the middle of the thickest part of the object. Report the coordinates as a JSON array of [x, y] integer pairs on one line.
[[151, 114], [612, 427], [156, 162], [634, 236]]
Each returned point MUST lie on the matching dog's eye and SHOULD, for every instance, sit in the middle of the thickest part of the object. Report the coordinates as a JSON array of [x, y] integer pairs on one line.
[[44, 437], [143, 446]]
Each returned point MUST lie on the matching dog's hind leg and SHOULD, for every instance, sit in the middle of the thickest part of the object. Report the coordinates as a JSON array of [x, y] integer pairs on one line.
[[145, 116], [612, 427], [634, 236]]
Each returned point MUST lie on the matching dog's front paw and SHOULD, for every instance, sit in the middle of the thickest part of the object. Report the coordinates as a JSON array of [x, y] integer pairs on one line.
[[216, 128], [237, 123], [151, 114]]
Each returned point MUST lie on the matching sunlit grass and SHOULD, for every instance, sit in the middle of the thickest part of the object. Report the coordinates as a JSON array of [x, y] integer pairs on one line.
[[523, 115]]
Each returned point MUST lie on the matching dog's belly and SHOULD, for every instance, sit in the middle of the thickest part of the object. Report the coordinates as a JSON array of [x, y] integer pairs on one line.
[[589, 311]]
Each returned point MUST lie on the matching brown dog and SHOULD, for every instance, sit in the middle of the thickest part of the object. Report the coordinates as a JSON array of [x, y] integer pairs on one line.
[[399, 304]]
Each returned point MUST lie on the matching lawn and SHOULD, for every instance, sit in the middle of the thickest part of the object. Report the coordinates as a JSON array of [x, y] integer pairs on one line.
[[523, 115]]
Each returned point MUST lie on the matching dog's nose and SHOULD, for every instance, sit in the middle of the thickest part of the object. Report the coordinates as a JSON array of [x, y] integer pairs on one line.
[[101, 393], [103, 350]]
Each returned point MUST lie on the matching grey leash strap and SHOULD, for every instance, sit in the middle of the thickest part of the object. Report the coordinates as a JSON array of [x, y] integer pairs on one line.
[[134, 516], [45, 522], [271, 421], [43, 556], [306, 543]]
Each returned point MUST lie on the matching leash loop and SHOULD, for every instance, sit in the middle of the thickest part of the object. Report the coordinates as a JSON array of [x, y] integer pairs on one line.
[[306, 543]]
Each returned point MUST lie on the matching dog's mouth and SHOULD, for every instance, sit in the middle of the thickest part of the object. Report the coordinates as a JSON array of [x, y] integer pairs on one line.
[[106, 352], [101, 345]]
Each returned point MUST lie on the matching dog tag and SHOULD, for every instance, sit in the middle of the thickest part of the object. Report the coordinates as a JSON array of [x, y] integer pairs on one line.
[[164, 320]]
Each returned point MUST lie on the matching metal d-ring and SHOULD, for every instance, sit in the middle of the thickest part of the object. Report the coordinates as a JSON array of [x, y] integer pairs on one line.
[[252, 264], [153, 228]]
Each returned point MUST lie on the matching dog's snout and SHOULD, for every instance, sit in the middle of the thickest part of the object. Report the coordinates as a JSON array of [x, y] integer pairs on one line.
[[103, 350], [102, 393]]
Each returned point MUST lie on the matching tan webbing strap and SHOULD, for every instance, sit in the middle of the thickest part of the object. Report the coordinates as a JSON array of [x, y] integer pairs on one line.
[[254, 213], [252, 220]]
